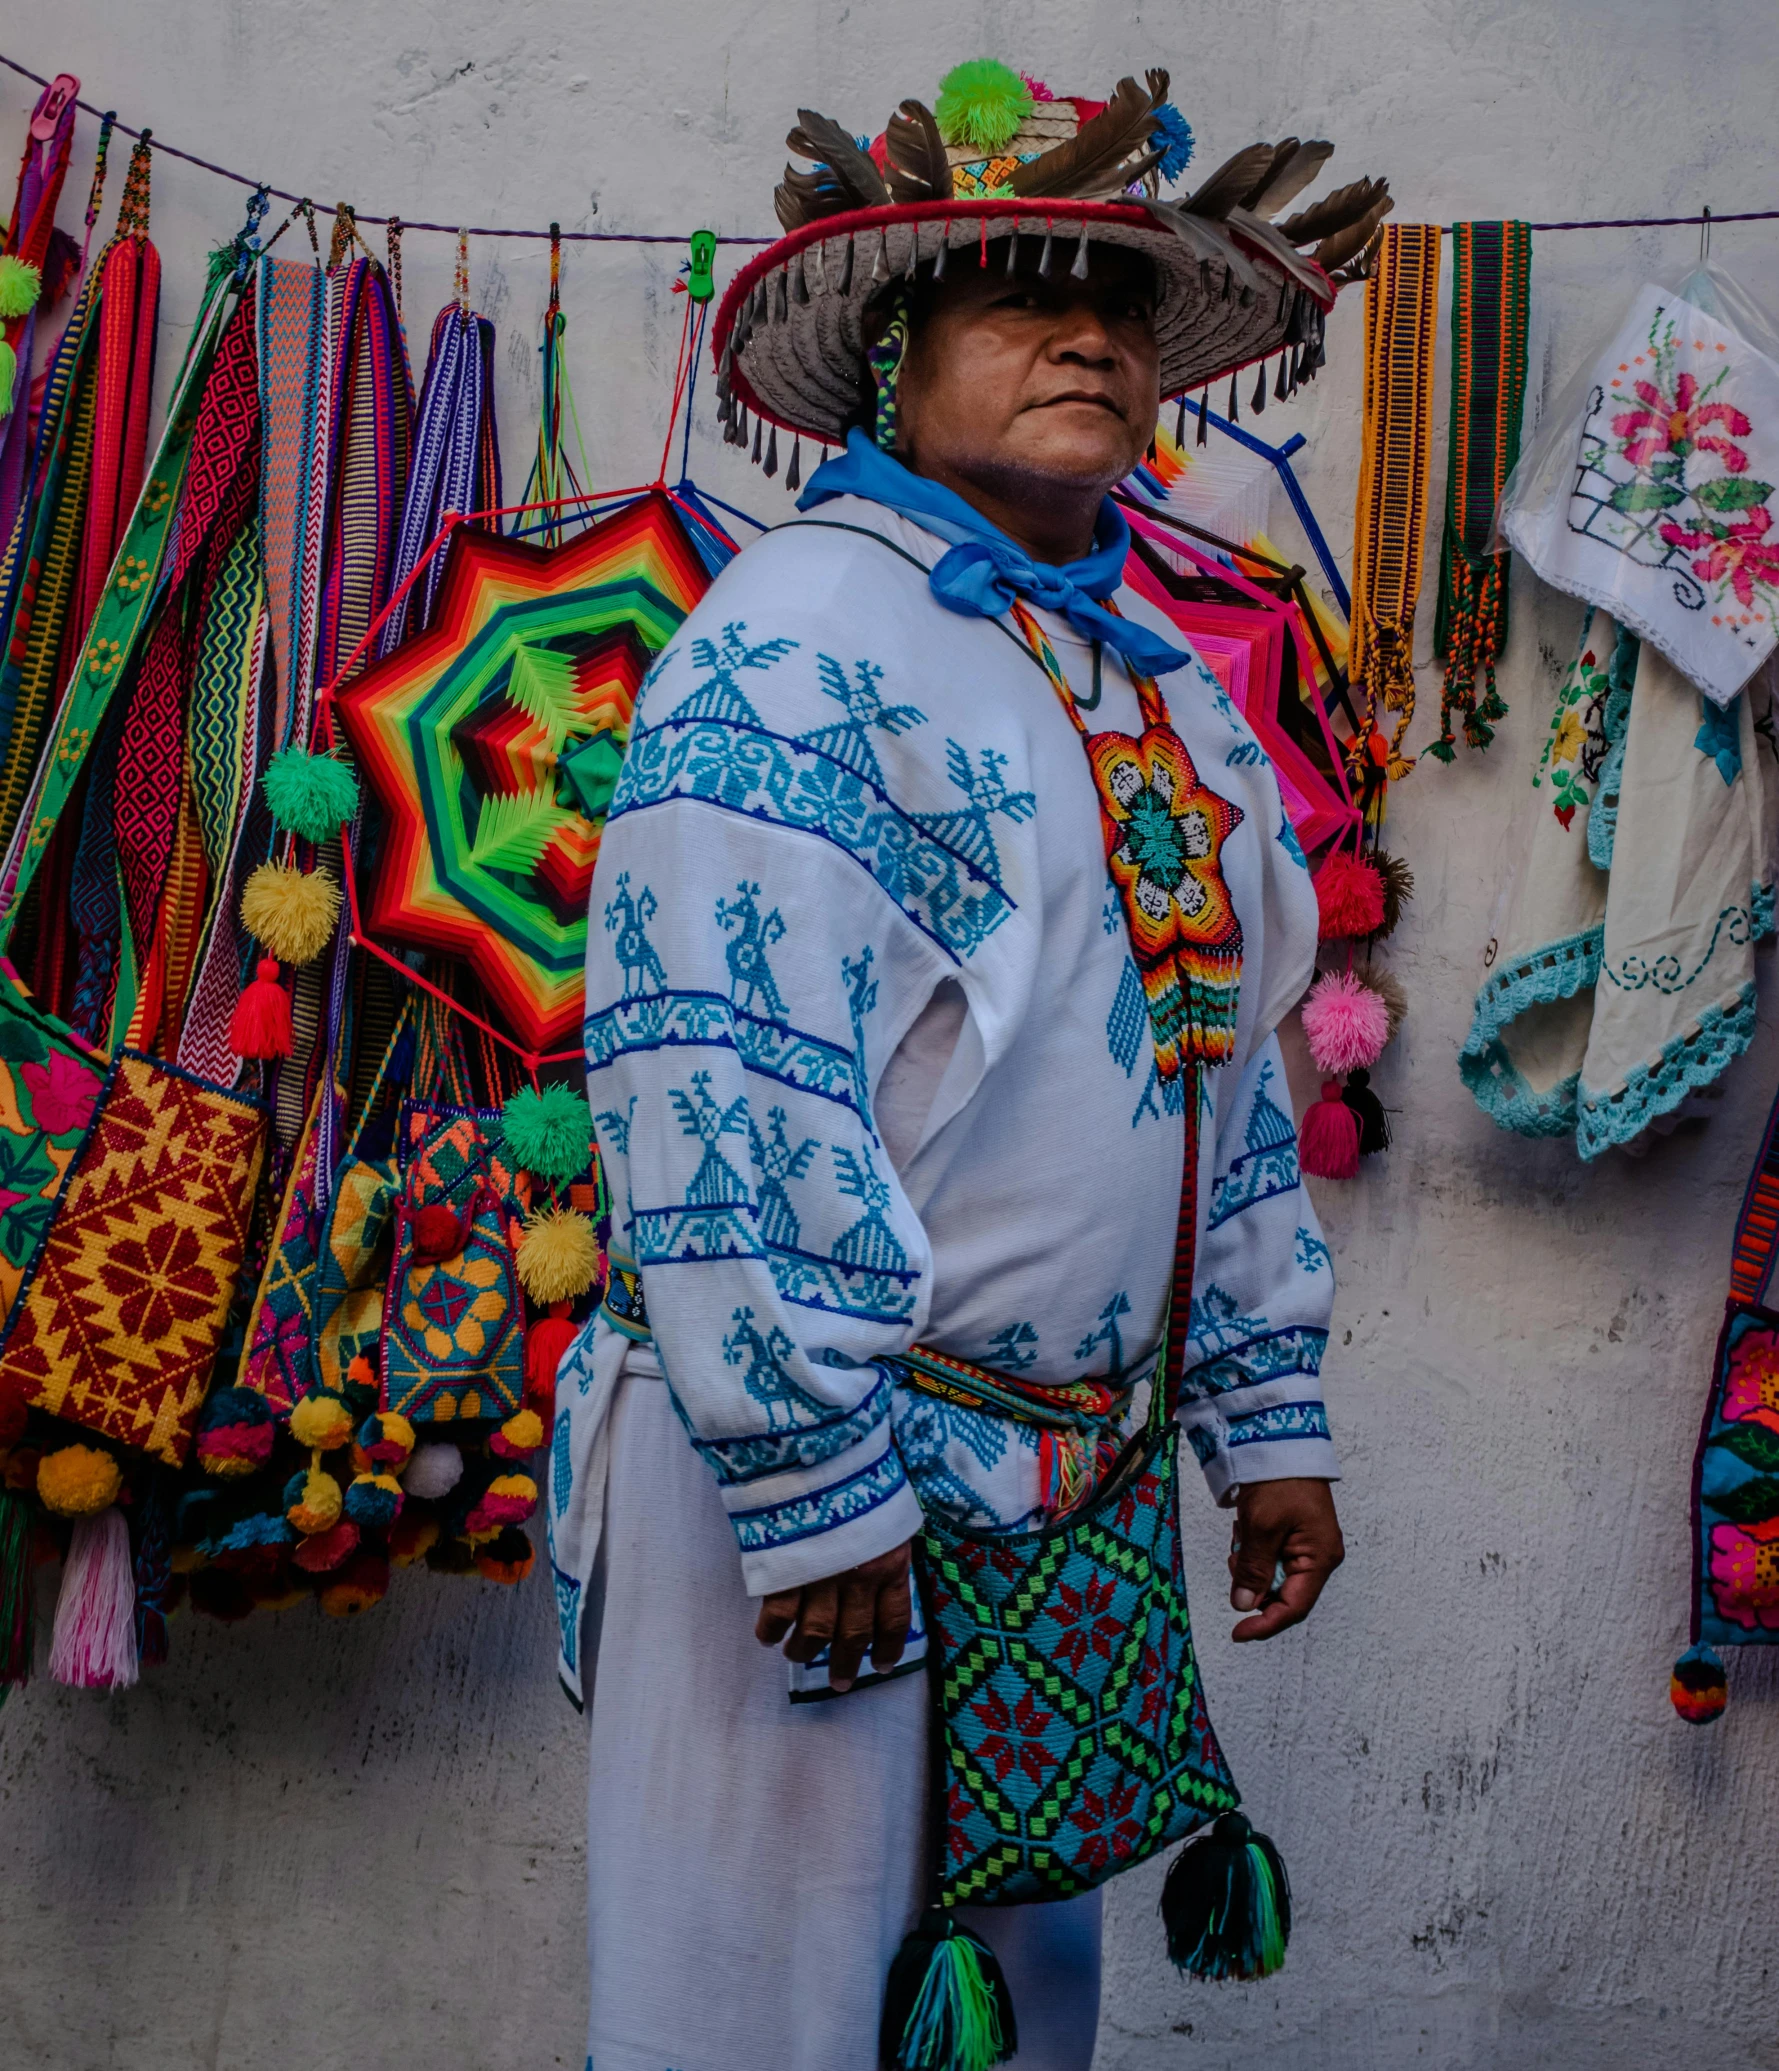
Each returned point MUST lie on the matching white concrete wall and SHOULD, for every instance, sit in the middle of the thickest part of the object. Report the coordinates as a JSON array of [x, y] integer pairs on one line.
[[302, 1844]]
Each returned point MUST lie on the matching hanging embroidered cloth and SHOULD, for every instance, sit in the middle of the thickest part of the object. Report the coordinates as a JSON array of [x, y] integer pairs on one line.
[[1390, 517], [294, 369], [493, 741], [1621, 980], [1658, 504], [49, 1086], [1491, 305]]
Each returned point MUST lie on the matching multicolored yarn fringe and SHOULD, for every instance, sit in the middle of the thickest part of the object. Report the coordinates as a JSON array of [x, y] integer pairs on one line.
[[1390, 518], [1491, 307]]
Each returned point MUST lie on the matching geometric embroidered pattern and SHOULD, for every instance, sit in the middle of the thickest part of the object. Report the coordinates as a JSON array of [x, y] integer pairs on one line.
[[1076, 1737], [454, 1328], [1266, 1167], [672, 1020], [119, 1324]]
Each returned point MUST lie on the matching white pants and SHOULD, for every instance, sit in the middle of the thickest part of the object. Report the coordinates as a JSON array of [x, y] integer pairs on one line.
[[752, 1864]]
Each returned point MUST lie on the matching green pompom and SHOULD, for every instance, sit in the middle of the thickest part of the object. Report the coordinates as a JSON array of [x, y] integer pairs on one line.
[[548, 1131], [9, 366], [311, 796], [982, 103], [20, 285]]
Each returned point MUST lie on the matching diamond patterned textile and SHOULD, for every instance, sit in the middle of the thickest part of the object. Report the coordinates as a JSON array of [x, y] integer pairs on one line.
[[454, 1325], [1076, 1737], [118, 1326]]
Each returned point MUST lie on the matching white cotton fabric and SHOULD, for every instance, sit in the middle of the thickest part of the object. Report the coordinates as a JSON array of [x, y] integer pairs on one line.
[[1657, 501], [1620, 977], [753, 1865]]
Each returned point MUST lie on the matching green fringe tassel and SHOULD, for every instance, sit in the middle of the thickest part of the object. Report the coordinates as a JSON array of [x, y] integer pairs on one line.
[[946, 2007], [1227, 1904]]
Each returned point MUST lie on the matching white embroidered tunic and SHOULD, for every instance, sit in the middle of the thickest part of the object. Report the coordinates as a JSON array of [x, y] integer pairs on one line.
[[844, 805]]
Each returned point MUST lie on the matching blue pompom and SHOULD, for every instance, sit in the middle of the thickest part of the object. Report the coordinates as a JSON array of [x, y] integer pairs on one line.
[[1175, 134]]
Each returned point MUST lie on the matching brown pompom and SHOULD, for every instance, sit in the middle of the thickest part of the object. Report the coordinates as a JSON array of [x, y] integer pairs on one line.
[[1399, 889], [1388, 988]]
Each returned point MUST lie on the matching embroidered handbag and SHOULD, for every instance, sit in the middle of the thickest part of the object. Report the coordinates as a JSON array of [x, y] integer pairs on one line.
[[453, 1320], [119, 1324]]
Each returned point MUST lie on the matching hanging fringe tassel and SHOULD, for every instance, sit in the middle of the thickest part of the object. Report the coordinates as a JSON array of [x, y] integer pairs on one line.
[[1204, 416], [1374, 1124], [261, 1024], [154, 1569], [1328, 1142], [94, 1645], [1227, 1904], [947, 2006]]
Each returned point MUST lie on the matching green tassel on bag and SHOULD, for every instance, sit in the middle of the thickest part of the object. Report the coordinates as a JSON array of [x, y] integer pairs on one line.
[[946, 2007], [1227, 1903]]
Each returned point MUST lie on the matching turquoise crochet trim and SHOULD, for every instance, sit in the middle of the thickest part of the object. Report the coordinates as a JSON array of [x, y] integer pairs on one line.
[[1499, 1089], [1615, 723], [1686, 1064], [1558, 971]]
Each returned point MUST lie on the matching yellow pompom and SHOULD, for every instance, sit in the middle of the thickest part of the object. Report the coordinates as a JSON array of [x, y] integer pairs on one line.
[[522, 1433], [558, 1255], [291, 911], [321, 1422], [312, 1502], [78, 1481]]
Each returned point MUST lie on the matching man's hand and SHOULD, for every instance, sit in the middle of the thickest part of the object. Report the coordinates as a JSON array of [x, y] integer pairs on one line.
[[1289, 1524], [865, 1610]]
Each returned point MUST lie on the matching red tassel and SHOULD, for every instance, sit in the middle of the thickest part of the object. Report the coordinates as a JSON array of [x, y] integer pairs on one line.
[[545, 1342], [1349, 897], [440, 1231], [261, 1027], [1328, 1142]]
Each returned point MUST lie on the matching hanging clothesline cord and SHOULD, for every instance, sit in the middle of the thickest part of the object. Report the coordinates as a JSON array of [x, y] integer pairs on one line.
[[676, 237]]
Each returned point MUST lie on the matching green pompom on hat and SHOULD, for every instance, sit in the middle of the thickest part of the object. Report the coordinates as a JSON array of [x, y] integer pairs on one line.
[[982, 103]]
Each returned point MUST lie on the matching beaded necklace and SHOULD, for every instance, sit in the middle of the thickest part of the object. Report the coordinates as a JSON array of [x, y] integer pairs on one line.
[[1164, 832]]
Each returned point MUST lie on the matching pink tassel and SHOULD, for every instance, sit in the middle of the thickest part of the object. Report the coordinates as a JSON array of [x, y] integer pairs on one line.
[[1328, 1142], [1345, 1023], [94, 1647]]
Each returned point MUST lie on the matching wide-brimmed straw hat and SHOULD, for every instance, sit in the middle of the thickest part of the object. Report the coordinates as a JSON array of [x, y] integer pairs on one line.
[[1000, 157]]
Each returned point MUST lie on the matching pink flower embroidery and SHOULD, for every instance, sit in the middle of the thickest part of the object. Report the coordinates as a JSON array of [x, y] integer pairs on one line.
[[1745, 1574], [63, 1093], [1738, 554], [1751, 1389], [1680, 424]]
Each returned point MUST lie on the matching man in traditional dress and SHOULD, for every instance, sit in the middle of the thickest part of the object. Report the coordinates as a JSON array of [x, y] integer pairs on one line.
[[897, 1002]]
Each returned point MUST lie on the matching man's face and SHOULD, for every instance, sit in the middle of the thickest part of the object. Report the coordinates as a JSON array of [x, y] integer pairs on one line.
[[1019, 379]]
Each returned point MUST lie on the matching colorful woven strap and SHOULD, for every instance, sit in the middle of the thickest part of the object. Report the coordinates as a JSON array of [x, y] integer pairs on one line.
[[1390, 518], [1755, 1248], [371, 426], [292, 303], [1491, 305]]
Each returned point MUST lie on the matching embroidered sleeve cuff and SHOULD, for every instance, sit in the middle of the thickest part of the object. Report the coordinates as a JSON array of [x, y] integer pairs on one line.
[[1275, 1433], [812, 1522]]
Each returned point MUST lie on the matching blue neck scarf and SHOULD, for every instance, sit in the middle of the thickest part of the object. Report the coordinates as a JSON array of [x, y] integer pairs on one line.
[[984, 571]]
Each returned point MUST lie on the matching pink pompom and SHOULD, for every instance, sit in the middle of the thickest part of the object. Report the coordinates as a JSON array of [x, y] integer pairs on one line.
[[1328, 1142], [1349, 897], [1345, 1023]]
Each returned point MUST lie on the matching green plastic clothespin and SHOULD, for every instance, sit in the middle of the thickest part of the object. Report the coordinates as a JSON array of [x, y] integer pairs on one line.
[[701, 282]]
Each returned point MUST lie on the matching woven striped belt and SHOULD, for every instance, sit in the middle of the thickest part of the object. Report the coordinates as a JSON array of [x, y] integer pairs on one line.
[[1080, 1424]]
